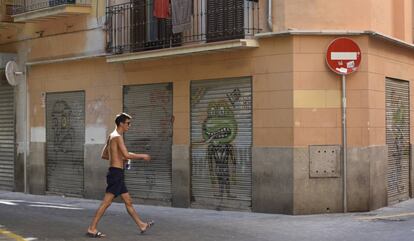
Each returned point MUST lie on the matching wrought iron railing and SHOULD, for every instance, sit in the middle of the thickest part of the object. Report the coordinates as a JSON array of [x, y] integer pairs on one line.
[[140, 25], [23, 6]]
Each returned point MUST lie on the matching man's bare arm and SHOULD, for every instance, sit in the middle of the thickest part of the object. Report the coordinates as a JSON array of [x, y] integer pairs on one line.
[[130, 155], [105, 153]]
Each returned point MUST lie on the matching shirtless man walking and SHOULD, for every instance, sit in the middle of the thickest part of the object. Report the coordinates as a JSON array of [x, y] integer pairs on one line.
[[116, 152]]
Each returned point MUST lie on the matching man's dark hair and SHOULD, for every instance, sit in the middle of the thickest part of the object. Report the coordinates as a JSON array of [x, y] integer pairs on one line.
[[121, 118]]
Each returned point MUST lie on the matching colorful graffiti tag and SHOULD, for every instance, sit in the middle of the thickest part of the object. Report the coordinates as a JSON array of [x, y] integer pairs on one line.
[[219, 130], [221, 139]]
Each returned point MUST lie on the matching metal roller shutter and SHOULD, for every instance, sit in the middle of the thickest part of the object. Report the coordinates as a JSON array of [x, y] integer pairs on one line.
[[221, 142], [151, 132], [398, 139], [65, 139], [7, 136]]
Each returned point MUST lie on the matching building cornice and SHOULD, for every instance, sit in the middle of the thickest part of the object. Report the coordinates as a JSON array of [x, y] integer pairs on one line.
[[65, 59], [373, 34], [339, 33]]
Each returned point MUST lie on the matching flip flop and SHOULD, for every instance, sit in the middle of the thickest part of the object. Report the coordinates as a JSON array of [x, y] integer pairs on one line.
[[149, 225], [95, 235]]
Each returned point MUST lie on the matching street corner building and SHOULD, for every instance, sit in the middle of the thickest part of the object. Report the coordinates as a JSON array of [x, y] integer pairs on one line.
[[233, 99]]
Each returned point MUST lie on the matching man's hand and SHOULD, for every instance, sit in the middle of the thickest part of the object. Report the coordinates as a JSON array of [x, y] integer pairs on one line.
[[105, 153], [135, 156], [146, 157]]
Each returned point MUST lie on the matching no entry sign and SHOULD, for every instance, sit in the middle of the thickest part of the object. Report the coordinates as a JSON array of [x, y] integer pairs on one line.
[[343, 56]]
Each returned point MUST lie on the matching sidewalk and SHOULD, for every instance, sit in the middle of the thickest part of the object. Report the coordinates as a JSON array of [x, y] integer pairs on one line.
[[6, 235], [59, 218]]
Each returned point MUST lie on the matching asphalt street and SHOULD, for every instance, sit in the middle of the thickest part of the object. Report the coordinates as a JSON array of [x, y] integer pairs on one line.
[[29, 217]]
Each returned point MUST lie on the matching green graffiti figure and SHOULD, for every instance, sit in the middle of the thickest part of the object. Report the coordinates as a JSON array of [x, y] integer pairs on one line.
[[219, 130]]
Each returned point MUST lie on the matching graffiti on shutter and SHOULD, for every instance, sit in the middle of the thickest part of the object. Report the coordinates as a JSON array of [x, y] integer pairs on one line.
[[398, 139], [221, 132], [65, 138]]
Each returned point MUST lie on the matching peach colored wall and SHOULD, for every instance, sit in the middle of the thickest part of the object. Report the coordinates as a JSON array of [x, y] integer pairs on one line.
[[409, 16], [321, 14], [385, 16], [394, 18], [270, 67], [398, 28], [317, 92], [296, 98], [385, 60], [317, 96], [381, 16], [100, 81], [58, 38], [71, 36]]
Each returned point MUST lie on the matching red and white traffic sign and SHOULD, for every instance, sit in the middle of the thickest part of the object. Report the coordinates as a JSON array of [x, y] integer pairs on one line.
[[343, 56]]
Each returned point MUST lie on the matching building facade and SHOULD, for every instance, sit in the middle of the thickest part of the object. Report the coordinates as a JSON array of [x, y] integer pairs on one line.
[[232, 99]]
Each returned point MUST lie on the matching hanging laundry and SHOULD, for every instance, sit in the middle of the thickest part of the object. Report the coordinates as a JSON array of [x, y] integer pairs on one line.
[[162, 8], [182, 11]]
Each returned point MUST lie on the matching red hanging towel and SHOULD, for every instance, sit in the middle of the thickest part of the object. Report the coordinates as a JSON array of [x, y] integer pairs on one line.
[[162, 8]]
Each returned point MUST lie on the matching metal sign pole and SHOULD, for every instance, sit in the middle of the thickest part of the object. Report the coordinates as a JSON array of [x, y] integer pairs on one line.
[[344, 143], [343, 57]]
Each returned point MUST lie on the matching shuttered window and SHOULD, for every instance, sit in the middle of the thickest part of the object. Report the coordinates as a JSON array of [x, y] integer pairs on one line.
[[225, 20]]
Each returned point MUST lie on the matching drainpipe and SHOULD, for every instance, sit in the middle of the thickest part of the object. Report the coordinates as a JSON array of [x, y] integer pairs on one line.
[[26, 135], [269, 15]]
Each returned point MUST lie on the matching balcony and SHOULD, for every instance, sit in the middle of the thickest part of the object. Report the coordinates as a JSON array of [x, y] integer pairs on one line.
[[141, 29], [6, 11], [41, 10]]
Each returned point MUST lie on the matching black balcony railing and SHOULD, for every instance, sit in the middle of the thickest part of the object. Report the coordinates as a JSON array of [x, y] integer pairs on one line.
[[23, 6], [132, 26]]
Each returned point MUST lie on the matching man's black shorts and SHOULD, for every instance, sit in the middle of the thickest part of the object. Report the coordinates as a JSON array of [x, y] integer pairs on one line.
[[115, 181]]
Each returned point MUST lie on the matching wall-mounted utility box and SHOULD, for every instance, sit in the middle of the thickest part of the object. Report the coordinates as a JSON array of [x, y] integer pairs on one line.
[[324, 161]]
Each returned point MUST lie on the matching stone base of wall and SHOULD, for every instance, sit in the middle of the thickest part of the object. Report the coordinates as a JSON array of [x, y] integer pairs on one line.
[[95, 170], [366, 183], [19, 173], [272, 180], [37, 168], [181, 175], [282, 182]]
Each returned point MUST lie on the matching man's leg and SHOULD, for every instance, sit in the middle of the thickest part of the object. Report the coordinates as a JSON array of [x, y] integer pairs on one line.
[[131, 210], [109, 197]]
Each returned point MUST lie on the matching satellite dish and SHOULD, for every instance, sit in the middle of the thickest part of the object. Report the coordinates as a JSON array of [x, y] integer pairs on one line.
[[12, 73]]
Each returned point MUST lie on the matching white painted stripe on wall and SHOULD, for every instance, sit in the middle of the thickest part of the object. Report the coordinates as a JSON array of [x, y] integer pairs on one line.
[[95, 134], [344, 55], [38, 134]]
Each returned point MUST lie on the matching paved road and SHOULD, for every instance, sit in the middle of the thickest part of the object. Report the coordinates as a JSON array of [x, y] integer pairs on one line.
[[29, 217]]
